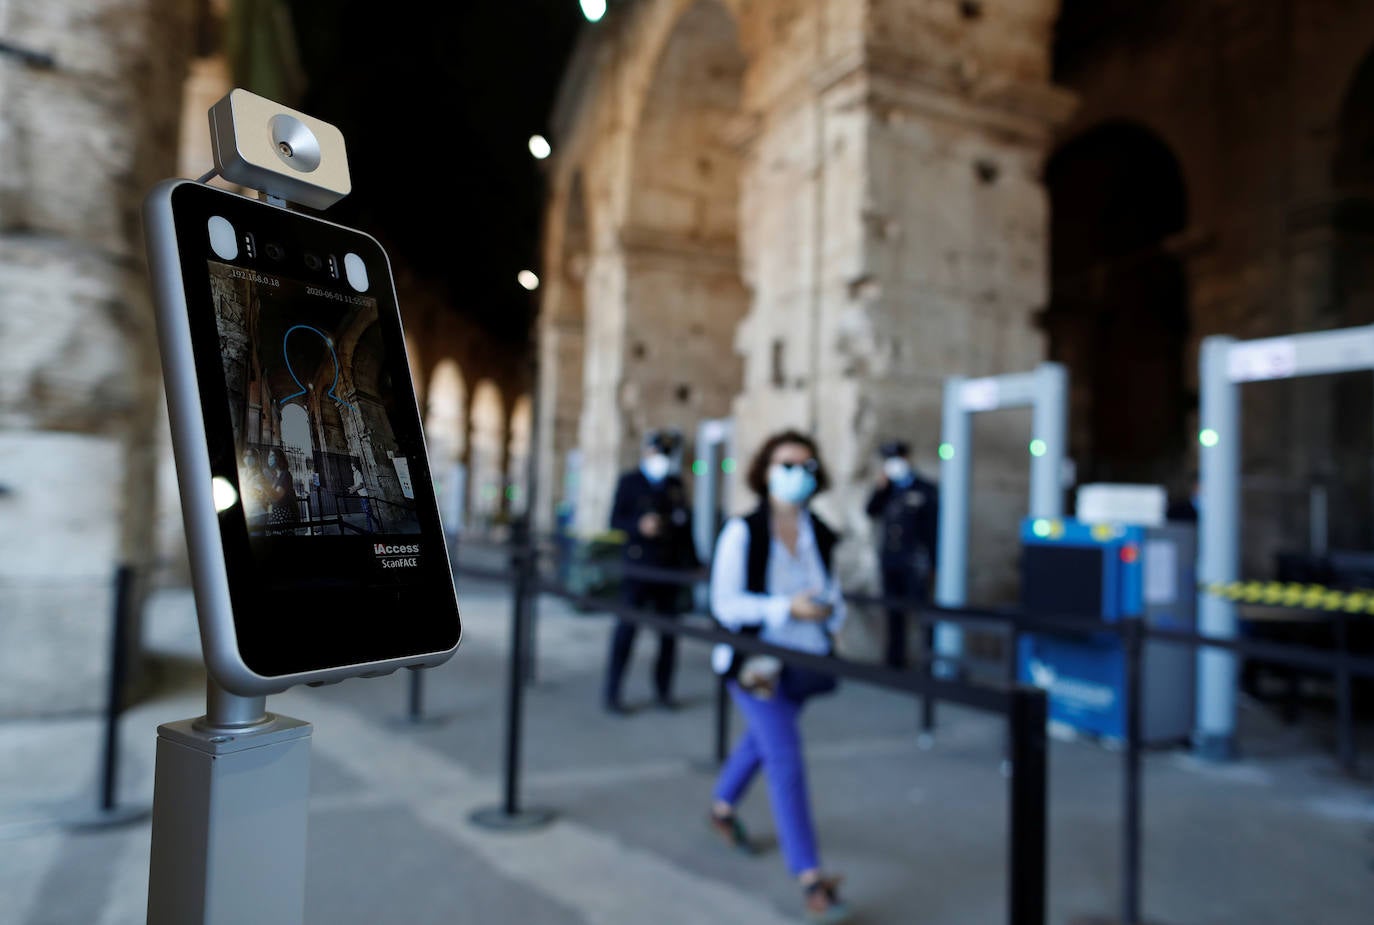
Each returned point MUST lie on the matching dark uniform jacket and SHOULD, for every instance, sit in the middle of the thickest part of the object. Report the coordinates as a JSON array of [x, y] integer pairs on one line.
[[908, 519], [673, 548]]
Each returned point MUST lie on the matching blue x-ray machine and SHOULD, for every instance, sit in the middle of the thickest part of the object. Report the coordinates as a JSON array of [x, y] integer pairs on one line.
[[1097, 574]]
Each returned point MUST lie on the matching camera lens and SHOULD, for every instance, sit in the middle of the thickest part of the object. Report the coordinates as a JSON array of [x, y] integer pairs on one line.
[[312, 262], [276, 251]]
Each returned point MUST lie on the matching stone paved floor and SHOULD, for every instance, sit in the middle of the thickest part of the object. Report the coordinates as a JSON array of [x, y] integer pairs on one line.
[[1276, 838]]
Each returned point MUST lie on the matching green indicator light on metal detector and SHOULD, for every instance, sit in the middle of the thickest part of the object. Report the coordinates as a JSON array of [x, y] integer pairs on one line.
[[1038, 448], [727, 465], [699, 467], [946, 451], [1208, 437], [510, 493], [1041, 528]]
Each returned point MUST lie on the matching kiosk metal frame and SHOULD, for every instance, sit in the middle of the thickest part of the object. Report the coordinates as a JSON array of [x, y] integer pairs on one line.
[[1045, 390], [1224, 365], [231, 788]]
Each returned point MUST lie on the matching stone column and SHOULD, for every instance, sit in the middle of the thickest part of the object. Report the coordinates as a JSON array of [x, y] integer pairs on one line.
[[895, 233], [80, 142], [601, 430], [561, 346]]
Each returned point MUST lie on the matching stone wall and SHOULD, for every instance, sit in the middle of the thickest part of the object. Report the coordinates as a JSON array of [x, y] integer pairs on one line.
[[884, 227], [81, 143], [1248, 97]]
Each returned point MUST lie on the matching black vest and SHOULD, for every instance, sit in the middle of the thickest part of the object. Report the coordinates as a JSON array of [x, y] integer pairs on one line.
[[756, 575], [760, 526]]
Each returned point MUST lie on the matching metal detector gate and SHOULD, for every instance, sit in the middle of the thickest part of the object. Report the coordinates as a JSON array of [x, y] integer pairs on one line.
[[1226, 364], [713, 464], [1045, 390]]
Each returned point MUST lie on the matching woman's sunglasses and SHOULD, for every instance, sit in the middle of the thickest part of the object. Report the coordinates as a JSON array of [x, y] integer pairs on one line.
[[810, 465]]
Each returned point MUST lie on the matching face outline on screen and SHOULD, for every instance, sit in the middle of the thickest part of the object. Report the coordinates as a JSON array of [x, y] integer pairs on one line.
[[287, 378]]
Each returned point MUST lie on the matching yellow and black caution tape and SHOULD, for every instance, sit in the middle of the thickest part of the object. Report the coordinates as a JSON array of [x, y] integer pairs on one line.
[[1294, 594]]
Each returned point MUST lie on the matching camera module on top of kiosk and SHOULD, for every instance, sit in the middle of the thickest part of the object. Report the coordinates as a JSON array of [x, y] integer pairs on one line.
[[318, 551]]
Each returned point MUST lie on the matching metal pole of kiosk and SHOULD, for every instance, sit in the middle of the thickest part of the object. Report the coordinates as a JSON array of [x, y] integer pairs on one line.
[[231, 793]]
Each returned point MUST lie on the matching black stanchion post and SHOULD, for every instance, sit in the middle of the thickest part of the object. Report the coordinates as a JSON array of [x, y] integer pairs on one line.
[[927, 737], [119, 670], [415, 701], [722, 721], [1013, 644], [509, 816], [1345, 716], [107, 812], [1027, 832], [531, 613], [1133, 639]]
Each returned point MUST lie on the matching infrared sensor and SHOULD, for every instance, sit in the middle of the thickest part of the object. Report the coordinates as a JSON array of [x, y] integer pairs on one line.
[[356, 271], [223, 241]]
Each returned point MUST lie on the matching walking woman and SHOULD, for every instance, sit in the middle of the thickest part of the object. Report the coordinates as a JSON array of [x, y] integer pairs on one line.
[[771, 577]]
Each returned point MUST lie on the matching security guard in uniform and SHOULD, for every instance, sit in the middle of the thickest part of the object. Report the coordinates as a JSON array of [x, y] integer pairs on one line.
[[653, 511], [906, 507]]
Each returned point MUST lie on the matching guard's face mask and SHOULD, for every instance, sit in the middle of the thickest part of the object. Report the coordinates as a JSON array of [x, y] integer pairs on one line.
[[656, 467], [898, 471], [791, 484]]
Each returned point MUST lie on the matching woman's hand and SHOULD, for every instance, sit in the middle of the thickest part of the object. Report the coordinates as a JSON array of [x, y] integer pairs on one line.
[[807, 610]]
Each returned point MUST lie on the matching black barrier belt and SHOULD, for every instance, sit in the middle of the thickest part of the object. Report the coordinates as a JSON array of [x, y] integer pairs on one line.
[[1277, 653], [992, 698]]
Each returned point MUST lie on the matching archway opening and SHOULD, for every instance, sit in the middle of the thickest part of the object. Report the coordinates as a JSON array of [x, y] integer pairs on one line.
[[485, 457], [446, 438], [298, 439], [518, 455], [1118, 312], [1348, 473]]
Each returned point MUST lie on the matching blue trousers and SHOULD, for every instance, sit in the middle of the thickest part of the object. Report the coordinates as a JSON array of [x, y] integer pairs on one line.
[[772, 742]]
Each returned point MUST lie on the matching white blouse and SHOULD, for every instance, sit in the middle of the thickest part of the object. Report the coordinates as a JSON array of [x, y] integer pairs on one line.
[[788, 575]]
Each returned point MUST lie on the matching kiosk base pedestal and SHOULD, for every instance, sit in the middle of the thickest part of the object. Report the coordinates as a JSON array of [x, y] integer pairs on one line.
[[229, 823]]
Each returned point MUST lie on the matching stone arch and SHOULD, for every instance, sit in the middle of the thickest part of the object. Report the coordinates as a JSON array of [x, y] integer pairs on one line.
[[1118, 314], [665, 356], [486, 452]]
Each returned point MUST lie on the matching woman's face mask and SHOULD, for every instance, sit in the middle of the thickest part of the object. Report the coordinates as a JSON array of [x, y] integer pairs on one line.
[[271, 460], [656, 467], [792, 483]]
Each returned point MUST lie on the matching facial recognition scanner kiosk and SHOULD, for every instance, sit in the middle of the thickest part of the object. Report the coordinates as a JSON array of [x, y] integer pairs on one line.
[[1099, 574], [1045, 391], [316, 546]]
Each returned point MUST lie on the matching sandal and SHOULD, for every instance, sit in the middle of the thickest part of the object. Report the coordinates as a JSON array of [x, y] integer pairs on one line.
[[823, 903], [732, 830]]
